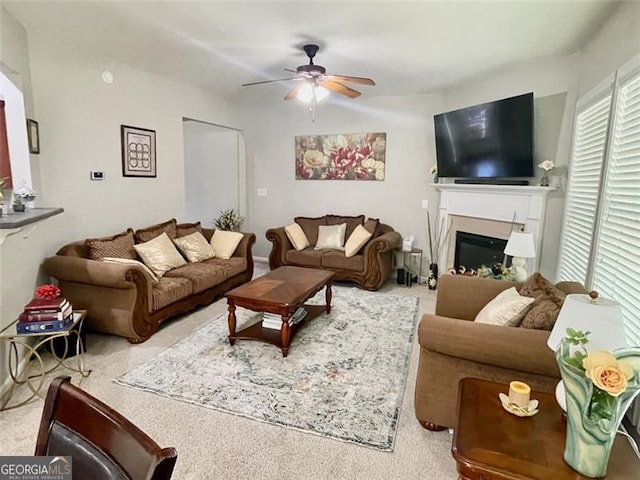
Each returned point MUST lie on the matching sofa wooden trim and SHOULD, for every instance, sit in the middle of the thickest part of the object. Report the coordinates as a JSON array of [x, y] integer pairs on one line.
[[129, 287], [378, 257]]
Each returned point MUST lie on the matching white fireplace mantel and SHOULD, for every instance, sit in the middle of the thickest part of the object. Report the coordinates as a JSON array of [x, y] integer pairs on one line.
[[525, 205]]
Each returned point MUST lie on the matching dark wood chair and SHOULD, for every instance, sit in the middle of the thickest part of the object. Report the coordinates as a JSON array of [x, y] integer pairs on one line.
[[101, 442]]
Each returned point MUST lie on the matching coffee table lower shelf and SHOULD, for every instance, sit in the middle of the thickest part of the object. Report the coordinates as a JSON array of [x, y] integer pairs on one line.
[[275, 337]]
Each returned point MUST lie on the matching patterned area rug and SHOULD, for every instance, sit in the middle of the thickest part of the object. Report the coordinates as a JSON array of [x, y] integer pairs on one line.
[[344, 376]]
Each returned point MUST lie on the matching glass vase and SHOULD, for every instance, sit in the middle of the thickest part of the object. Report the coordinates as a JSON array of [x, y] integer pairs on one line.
[[593, 416], [544, 181]]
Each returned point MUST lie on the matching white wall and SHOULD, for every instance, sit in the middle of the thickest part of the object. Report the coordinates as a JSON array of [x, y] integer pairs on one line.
[[617, 41], [211, 172], [270, 132], [80, 118]]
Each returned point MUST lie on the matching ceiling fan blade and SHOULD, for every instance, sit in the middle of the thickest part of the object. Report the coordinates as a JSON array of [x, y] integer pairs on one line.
[[269, 81], [360, 80], [339, 88], [294, 91], [289, 70]]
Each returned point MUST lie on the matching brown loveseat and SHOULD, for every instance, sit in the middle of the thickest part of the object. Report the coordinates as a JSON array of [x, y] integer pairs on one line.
[[125, 300], [453, 346], [369, 268]]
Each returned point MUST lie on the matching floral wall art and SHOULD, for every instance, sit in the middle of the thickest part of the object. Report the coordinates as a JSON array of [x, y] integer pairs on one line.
[[352, 156]]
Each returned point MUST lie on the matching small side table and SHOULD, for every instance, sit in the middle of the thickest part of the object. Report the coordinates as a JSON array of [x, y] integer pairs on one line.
[[412, 265], [36, 381], [491, 444]]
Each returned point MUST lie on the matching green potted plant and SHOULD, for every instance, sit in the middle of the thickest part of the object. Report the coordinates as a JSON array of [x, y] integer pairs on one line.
[[229, 220]]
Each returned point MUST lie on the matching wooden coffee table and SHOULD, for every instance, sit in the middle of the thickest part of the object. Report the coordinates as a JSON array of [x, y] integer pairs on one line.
[[280, 291], [490, 443]]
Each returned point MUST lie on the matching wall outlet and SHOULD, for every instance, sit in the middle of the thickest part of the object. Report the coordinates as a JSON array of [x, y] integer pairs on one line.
[[425, 204], [261, 192], [96, 175]]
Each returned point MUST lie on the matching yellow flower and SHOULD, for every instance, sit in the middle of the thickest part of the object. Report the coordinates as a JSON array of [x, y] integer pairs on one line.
[[607, 373], [599, 358]]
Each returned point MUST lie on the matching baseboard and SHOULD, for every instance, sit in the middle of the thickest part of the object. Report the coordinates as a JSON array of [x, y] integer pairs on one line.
[[7, 383], [261, 259]]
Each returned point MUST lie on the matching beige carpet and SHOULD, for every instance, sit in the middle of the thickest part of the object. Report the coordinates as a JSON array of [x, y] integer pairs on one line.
[[216, 445]]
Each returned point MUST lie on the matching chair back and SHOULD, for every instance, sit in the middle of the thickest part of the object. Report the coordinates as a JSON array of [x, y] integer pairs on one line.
[[102, 443]]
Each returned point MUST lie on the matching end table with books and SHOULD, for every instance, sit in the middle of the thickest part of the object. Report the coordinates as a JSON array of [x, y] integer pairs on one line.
[[18, 336]]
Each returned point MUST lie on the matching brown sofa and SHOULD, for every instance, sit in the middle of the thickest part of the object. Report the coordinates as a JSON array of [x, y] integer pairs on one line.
[[453, 346], [369, 268], [123, 299]]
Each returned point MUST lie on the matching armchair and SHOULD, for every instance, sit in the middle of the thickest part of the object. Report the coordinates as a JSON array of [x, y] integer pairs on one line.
[[453, 346]]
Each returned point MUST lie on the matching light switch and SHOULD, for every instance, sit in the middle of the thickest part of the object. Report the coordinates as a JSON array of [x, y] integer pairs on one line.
[[425, 204], [261, 192]]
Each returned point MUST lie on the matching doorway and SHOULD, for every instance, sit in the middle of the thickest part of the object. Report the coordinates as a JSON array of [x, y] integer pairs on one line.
[[214, 164]]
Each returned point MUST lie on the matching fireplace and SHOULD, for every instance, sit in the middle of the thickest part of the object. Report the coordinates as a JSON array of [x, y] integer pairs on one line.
[[473, 251], [493, 211]]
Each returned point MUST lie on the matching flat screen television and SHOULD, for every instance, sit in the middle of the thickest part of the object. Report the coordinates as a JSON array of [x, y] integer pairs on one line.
[[492, 140]]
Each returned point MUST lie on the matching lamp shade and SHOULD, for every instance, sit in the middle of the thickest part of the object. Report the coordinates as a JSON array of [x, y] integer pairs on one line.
[[602, 318], [520, 244], [310, 91]]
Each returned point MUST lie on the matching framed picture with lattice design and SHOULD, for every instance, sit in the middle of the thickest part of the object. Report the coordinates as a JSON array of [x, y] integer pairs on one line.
[[138, 151]]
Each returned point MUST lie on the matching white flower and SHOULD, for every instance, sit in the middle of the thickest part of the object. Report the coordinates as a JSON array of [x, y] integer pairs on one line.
[[24, 193], [314, 159], [334, 142], [374, 166], [547, 165]]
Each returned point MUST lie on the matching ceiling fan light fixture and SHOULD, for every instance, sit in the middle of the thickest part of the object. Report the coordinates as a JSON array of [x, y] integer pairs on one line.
[[308, 91]]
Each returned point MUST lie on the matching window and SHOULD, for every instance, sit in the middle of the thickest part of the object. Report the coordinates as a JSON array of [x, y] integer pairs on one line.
[[600, 243]]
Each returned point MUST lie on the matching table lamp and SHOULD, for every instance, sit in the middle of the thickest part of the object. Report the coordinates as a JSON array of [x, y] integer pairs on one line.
[[600, 316], [520, 247]]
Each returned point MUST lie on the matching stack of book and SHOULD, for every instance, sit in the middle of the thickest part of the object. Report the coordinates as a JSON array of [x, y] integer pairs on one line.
[[45, 315], [274, 321]]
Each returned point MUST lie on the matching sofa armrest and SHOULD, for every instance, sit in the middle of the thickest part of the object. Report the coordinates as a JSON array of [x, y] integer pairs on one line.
[[521, 349], [244, 247], [571, 287], [281, 244], [93, 272], [460, 296], [384, 243]]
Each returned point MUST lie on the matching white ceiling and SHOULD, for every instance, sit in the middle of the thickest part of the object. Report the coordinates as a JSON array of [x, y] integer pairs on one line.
[[406, 47]]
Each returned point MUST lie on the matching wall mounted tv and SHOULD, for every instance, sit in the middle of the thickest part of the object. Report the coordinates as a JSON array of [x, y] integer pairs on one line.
[[492, 140]]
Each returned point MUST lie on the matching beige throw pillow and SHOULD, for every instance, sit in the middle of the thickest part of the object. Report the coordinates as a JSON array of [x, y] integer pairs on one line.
[[331, 237], [224, 243], [195, 247], [504, 309], [356, 240], [296, 236], [128, 261], [160, 254]]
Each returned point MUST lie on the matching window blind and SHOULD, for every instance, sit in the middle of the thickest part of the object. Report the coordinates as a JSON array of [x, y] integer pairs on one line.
[[583, 185], [616, 269]]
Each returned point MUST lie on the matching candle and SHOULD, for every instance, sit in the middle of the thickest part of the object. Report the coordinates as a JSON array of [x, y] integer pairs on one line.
[[519, 393]]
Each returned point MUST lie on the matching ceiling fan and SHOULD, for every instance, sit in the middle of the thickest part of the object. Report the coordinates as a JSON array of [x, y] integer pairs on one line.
[[313, 82]]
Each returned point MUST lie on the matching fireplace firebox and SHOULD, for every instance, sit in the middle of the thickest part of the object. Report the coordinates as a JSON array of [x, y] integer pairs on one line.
[[474, 250]]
